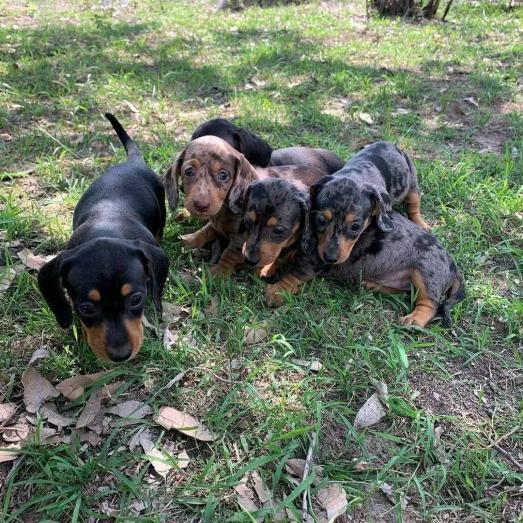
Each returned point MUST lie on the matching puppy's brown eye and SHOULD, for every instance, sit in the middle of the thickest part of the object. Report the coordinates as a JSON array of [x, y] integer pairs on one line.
[[355, 227], [223, 176], [87, 309], [189, 171], [136, 300]]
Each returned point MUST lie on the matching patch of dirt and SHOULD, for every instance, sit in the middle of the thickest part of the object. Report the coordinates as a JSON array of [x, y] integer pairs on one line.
[[493, 137]]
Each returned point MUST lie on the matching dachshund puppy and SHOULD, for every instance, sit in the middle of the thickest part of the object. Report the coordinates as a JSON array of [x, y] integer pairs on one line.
[[371, 182], [112, 261], [278, 228], [259, 153], [215, 177]]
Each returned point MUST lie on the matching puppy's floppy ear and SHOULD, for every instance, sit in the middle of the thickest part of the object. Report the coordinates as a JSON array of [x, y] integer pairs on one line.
[[241, 228], [382, 209], [50, 283], [307, 239], [316, 188], [156, 266], [171, 178], [242, 178], [256, 150]]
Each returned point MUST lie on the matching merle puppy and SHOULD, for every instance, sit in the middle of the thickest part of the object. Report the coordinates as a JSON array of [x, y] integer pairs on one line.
[[372, 181], [112, 262]]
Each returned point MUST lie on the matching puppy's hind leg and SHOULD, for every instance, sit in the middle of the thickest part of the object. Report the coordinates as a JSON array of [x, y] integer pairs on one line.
[[198, 239], [425, 308], [230, 261], [413, 202]]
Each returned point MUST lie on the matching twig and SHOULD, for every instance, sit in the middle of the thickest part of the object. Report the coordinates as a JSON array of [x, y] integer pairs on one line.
[[59, 142], [501, 438], [446, 10], [509, 456], [306, 469]]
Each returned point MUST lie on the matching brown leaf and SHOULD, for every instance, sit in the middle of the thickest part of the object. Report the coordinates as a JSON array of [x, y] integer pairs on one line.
[[333, 499], [175, 380], [252, 335], [48, 412], [7, 275], [370, 413], [72, 388], [38, 354], [36, 389], [169, 338], [159, 461], [296, 466], [91, 411], [131, 107], [32, 261], [245, 497], [263, 493], [171, 418], [6, 411], [9, 453], [131, 409], [19, 432]]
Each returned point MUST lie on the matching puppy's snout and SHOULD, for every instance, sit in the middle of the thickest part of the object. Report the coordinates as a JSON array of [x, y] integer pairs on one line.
[[330, 257], [251, 259], [201, 205], [119, 354]]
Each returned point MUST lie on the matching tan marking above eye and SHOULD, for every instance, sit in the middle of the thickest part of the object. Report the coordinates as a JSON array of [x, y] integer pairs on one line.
[[94, 295], [327, 215], [126, 289], [252, 216], [272, 221], [349, 218]]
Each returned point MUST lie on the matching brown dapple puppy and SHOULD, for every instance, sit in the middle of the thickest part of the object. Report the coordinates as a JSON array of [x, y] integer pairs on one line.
[[215, 178]]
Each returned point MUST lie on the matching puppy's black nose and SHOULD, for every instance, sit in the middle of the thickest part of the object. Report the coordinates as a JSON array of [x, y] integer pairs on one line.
[[330, 258], [201, 206], [119, 354], [252, 260]]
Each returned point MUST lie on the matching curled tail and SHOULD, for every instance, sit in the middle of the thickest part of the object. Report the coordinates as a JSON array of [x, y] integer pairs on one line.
[[130, 146], [455, 294]]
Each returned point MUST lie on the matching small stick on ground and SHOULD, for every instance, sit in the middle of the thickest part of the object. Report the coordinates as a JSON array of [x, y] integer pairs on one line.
[[509, 456], [306, 470]]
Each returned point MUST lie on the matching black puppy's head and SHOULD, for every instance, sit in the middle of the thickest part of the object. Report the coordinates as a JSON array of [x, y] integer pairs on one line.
[[256, 150], [276, 217], [342, 209], [107, 282]]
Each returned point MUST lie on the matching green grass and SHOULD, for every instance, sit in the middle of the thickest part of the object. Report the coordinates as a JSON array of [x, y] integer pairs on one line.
[[297, 75]]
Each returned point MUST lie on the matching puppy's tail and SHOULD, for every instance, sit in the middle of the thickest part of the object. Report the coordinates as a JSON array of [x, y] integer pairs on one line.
[[130, 146], [455, 294]]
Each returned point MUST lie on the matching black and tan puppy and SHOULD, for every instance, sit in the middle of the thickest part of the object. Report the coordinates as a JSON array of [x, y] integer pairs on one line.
[[215, 177], [278, 229], [112, 261], [371, 182], [260, 154]]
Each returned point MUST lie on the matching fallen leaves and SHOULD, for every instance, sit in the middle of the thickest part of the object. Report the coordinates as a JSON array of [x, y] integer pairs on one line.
[[333, 499], [253, 335], [36, 389], [171, 418], [131, 409], [91, 411], [33, 261], [72, 388], [312, 364], [366, 117], [7, 411], [9, 453], [370, 413]]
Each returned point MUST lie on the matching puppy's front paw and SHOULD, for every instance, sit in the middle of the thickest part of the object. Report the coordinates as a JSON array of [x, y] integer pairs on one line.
[[193, 240], [220, 271], [182, 215], [413, 319], [273, 295], [422, 223]]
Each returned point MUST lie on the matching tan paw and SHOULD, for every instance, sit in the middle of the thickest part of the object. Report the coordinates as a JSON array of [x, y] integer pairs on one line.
[[423, 224], [193, 240], [182, 215], [219, 271], [273, 298], [413, 319]]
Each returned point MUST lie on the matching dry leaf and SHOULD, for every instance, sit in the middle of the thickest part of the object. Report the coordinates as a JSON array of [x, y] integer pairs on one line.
[[38, 354], [73, 388], [183, 459], [6, 137], [175, 419], [470, 100], [91, 411], [6, 411], [366, 117], [263, 493], [48, 412], [333, 499], [175, 380], [252, 335], [381, 389], [142, 437], [159, 461], [296, 466], [131, 409], [313, 364], [17, 433], [169, 338], [370, 413], [401, 111], [6, 278], [171, 313], [9, 453], [32, 261], [36, 389], [245, 496], [131, 107]]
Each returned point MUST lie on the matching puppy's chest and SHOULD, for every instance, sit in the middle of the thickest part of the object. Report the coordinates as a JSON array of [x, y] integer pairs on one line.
[[226, 223]]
